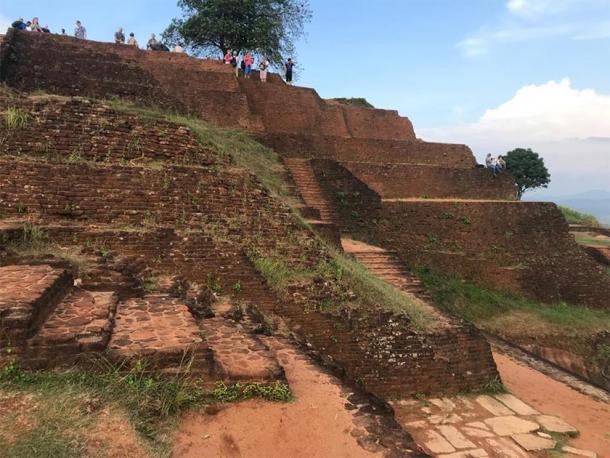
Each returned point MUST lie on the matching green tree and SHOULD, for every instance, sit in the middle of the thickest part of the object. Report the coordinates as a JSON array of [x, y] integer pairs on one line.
[[265, 27], [528, 169]]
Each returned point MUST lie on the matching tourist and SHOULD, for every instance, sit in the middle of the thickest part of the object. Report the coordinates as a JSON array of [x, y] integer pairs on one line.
[[264, 68], [249, 61], [63, 32], [289, 69], [228, 57], [490, 164], [80, 32], [234, 63], [178, 49], [35, 26], [152, 43], [119, 36], [19, 24], [501, 164], [243, 65], [46, 29], [132, 40]]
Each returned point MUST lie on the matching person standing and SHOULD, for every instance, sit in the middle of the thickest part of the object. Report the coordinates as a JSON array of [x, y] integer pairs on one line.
[[234, 64], [80, 32], [227, 57], [119, 36], [289, 71], [264, 68], [132, 40], [249, 61]]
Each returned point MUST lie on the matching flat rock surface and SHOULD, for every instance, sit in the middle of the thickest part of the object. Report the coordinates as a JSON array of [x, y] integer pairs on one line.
[[82, 318], [238, 356], [533, 442], [159, 329]]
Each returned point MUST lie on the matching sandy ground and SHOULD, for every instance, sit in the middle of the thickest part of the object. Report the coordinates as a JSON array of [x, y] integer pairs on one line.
[[590, 417], [315, 425]]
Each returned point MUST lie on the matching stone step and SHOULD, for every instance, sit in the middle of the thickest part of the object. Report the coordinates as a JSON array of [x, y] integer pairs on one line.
[[238, 356], [28, 295], [81, 323], [161, 331]]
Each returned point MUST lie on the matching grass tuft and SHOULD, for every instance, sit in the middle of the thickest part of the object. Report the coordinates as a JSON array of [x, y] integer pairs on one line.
[[275, 392], [16, 118]]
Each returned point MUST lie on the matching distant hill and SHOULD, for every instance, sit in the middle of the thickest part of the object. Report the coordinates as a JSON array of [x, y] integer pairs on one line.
[[595, 202]]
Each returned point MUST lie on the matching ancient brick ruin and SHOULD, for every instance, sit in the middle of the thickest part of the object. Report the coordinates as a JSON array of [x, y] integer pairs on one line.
[[143, 196]]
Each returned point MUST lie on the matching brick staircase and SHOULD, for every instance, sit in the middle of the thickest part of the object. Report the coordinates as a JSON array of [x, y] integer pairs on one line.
[[309, 188], [387, 266]]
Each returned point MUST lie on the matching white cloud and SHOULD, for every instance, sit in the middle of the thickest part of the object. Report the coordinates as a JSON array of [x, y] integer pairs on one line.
[[537, 7], [566, 125], [5, 23]]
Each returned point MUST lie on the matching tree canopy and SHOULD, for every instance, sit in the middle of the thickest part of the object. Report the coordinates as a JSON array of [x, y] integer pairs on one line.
[[528, 169], [265, 27]]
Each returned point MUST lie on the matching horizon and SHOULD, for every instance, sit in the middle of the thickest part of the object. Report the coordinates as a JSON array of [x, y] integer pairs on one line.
[[495, 75]]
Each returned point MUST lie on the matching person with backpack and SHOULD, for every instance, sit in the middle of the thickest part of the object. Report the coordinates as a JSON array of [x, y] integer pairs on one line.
[[234, 64], [264, 68], [19, 24], [289, 71]]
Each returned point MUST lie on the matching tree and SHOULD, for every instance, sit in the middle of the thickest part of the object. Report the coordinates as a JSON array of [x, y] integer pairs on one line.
[[528, 169], [265, 27]]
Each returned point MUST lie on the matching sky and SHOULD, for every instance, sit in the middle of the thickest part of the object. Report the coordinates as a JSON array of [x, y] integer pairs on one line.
[[494, 74]]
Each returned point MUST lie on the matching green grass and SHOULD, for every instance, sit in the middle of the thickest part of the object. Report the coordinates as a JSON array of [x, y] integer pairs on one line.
[[575, 217], [275, 392], [243, 150], [16, 118], [354, 102], [585, 238], [369, 290], [152, 403], [489, 308]]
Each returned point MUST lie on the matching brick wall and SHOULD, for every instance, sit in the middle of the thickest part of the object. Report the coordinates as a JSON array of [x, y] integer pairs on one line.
[[395, 181], [521, 247], [371, 151], [529, 244], [208, 89], [76, 129]]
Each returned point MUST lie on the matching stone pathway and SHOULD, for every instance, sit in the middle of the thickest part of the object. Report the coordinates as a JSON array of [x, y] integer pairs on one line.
[[161, 330], [81, 323], [482, 426]]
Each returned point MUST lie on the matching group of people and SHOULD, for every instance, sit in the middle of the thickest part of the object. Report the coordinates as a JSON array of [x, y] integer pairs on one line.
[[231, 57], [247, 64], [34, 26], [152, 45], [495, 165]]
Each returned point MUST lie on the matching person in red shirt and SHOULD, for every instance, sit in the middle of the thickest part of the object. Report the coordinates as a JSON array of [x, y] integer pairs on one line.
[[228, 56], [249, 61]]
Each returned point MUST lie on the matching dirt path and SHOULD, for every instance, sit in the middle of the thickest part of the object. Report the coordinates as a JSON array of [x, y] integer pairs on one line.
[[589, 416], [317, 424]]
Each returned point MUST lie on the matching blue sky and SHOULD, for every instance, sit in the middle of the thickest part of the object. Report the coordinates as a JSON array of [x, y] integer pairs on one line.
[[494, 74]]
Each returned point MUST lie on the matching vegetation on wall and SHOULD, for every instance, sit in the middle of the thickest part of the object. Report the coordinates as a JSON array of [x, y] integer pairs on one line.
[[576, 217]]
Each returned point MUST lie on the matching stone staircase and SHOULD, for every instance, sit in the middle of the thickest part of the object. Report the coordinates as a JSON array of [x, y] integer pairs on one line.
[[309, 188], [387, 266]]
